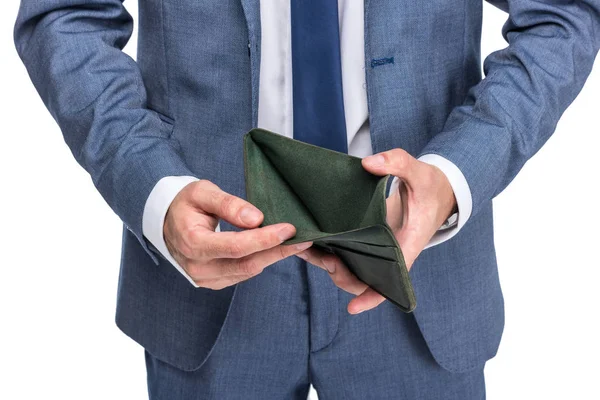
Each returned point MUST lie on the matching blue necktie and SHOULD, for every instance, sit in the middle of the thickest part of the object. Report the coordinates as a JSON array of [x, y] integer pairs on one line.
[[317, 74]]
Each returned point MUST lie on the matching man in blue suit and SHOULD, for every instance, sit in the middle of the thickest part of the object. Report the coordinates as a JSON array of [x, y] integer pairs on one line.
[[397, 82]]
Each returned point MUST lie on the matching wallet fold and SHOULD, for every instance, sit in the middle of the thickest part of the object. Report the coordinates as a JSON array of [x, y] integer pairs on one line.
[[333, 202]]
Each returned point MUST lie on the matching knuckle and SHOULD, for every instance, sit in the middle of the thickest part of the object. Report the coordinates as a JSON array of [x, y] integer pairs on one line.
[[235, 250], [285, 251], [330, 260], [199, 189], [214, 196], [267, 240], [185, 250], [227, 205], [189, 242], [342, 280], [188, 237], [339, 280], [399, 158], [204, 184], [248, 267], [195, 270], [398, 152]]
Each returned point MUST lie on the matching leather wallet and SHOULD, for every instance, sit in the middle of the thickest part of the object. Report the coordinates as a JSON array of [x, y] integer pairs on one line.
[[333, 202]]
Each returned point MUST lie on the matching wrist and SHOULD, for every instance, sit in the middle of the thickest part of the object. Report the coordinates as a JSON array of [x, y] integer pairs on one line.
[[461, 200]]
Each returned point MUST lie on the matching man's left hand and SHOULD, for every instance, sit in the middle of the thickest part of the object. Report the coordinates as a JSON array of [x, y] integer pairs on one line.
[[423, 202]]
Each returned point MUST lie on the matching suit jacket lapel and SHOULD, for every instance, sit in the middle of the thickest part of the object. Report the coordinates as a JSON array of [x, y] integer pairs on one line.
[[252, 14]]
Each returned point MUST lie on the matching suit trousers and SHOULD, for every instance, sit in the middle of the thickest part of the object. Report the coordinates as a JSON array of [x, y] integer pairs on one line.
[[288, 328]]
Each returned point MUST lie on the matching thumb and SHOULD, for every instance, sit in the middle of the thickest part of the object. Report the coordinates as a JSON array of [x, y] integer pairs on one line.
[[210, 199], [395, 162]]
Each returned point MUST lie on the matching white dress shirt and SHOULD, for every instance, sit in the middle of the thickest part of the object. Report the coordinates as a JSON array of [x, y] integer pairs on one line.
[[275, 113]]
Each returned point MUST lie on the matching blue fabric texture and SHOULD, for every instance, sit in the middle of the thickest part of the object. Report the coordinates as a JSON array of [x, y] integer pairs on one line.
[[317, 75], [183, 107], [270, 349]]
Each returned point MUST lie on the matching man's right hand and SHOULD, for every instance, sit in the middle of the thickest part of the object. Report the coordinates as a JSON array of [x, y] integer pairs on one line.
[[217, 260]]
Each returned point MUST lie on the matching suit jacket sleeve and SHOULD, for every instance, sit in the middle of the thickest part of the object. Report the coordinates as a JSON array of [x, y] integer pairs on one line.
[[72, 51], [509, 115]]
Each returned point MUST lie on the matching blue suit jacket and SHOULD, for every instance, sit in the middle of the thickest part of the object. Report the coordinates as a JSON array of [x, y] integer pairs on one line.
[[183, 107]]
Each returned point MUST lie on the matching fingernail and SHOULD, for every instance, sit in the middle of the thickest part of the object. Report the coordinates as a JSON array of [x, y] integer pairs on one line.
[[303, 256], [303, 246], [376, 160], [285, 233], [356, 311], [250, 215], [329, 265]]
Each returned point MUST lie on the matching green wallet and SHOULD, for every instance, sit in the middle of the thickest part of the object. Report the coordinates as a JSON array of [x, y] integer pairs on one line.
[[333, 202]]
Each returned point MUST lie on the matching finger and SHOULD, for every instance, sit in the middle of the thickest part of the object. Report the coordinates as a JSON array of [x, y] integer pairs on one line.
[[225, 272], [394, 211], [368, 300], [339, 273], [395, 162], [254, 264], [209, 198], [204, 271], [207, 244]]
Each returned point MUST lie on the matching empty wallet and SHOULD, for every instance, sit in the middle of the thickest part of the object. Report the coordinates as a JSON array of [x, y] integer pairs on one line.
[[333, 202]]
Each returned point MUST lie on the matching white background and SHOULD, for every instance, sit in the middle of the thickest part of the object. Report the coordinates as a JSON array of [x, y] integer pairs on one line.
[[60, 244]]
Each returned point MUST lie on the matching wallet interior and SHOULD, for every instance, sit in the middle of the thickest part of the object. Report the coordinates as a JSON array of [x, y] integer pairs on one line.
[[333, 202]]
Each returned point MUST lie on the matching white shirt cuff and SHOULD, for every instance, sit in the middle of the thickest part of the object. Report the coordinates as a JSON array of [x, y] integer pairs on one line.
[[155, 211], [462, 192]]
